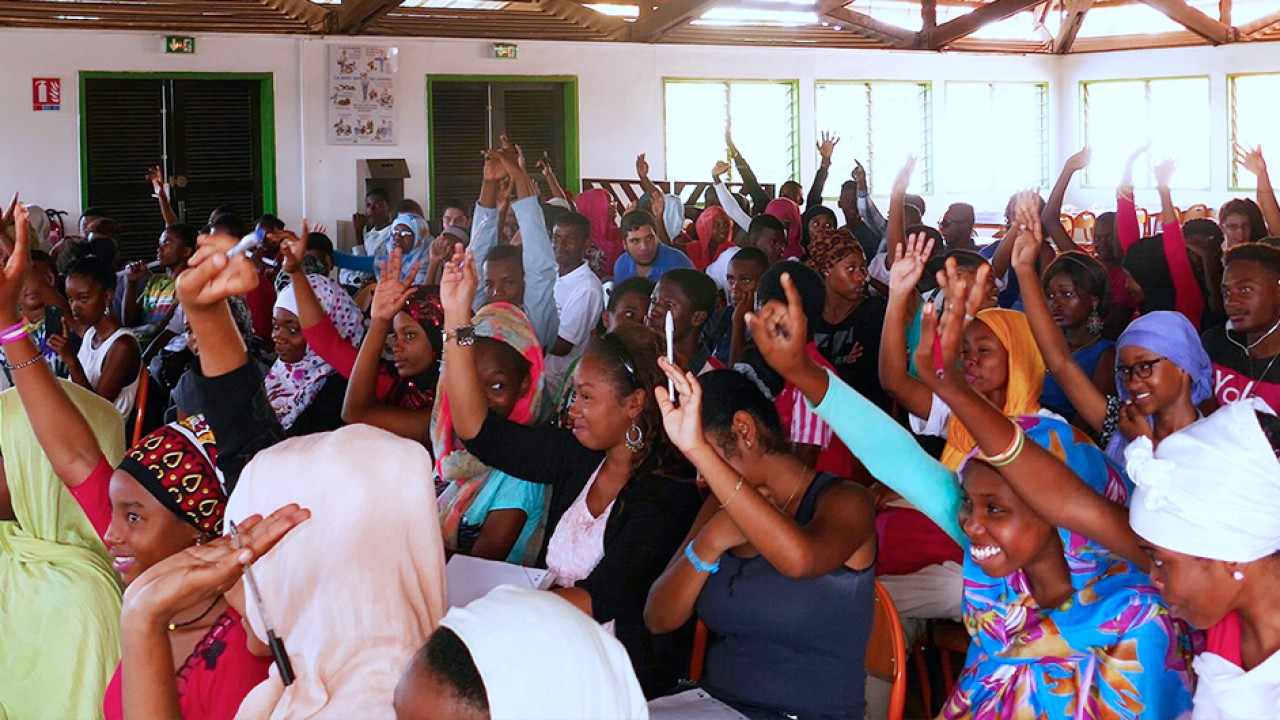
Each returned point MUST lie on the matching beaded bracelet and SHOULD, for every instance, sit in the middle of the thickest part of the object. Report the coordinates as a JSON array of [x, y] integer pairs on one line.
[[21, 365], [698, 563]]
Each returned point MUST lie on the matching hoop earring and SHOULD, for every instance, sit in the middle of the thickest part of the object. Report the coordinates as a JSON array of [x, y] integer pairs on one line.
[[1094, 325], [634, 439]]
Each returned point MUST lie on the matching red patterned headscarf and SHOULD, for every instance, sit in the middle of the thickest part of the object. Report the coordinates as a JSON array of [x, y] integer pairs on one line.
[[177, 464]]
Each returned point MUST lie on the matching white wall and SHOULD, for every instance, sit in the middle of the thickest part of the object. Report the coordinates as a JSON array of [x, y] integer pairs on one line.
[[619, 90], [1215, 62]]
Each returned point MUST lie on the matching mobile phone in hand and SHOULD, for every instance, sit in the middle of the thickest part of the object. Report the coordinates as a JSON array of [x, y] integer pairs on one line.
[[53, 320]]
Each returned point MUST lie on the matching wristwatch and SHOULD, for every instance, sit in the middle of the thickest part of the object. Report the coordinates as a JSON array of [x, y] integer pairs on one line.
[[464, 334]]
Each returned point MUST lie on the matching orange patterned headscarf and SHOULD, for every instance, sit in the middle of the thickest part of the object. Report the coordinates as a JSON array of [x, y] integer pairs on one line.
[[1023, 387], [829, 246]]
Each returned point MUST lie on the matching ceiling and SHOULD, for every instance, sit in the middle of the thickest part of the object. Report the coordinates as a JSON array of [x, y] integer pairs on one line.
[[1018, 26]]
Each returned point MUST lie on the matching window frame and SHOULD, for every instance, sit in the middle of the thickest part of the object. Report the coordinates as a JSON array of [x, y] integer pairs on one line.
[[925, 170], [1086, 182], [1233, 169], [1045, 121], [793, 85]]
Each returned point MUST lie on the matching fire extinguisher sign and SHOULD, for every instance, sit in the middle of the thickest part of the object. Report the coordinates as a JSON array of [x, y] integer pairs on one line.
[[46, 94]]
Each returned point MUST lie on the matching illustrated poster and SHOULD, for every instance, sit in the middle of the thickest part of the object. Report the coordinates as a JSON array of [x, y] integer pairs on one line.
[[362, 99]]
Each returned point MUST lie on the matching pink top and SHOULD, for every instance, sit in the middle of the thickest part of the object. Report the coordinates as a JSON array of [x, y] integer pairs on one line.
[[323, 337], [577, 545], [1188, 299], [214, 680], [1223, 639], [94, 496]]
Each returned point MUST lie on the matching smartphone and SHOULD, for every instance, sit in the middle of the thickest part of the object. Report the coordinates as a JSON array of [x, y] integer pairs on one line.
[[53, 320]]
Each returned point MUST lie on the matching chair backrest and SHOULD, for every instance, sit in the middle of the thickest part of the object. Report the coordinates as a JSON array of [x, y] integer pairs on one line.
[[886, 651], [1196, 212], [1085, 222], [140, 405], [1144, 222], [1068, 223]]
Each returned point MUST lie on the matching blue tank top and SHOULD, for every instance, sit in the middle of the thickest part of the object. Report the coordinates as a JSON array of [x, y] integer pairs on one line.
[[791, 646], [1054, 397]]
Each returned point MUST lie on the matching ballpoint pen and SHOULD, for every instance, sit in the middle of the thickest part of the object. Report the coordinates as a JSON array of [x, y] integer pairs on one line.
[[273, 641]]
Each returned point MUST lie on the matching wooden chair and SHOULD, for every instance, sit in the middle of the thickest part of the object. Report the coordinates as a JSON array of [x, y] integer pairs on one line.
[[1198, 211], [886, 651], [950, 638], [140, 405], [1085, 222], [1068, 223], [1144, 222]]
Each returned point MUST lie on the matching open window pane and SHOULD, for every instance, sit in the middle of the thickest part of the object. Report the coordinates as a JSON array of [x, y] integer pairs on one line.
[[879, 123], [1253, 121], [762, 116], [1171, 114], [998, 136], [697, 113]]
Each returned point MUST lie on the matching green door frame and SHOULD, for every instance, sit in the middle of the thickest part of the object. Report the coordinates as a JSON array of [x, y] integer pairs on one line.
[[267, 119], [572, 179]]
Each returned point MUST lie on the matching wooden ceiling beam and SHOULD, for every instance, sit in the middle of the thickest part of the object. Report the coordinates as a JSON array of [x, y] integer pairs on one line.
[[354, 16], [304, 11], [1265, 22], [574, 12], [1076, 10], [1179, 11], [833, 11], [928, 14], [670, 16], [969, 23]]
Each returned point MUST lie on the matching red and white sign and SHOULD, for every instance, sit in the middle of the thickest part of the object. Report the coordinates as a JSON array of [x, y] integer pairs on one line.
[[46, 93]]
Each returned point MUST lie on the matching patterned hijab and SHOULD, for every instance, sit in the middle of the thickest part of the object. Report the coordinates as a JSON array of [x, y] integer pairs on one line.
[[417, 253], [178, 465], [463, 472], [829, 246], [1111, 650], [292, 386], [1025, 378]]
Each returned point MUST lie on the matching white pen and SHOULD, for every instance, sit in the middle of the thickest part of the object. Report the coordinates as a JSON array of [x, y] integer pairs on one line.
[[247, 243], [670, 327]]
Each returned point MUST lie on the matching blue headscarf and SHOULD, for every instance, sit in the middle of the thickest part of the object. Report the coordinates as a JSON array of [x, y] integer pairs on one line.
[[418, 253], [1111, 650], [1171, 335]]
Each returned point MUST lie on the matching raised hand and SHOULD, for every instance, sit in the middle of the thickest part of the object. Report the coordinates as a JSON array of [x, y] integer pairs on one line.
[[494, 169], [720, 168], [642, 167], [292, 248], [859, 175], [317, 228], [156, 177], [458, 286], [657, 204], [202, 572], [780, 329], [683, 424], [940, 337], [15, 267], [135, 272], [827, 146], [908, 264], [392, 292], [1251, 160], [211, 277], [441, 248], [903, 179], [1078, 161], [1164, 172], [10, 211], [1133, 424], [1030, 233]]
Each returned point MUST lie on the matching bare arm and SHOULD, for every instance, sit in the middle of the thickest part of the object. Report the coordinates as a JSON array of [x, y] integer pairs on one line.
[[553, 182], [1254, 163], [907, 268], [120, 367], [897, 232], [1052, 215], [156, 176], [461, 380]]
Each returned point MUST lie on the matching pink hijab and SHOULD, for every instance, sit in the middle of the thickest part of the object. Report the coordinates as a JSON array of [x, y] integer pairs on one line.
[[597, 206], [788, 212]]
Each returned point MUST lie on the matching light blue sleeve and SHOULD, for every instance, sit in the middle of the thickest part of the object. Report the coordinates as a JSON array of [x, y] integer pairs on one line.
[[892, 455], [484, 238], [501, 491], [540, 270]]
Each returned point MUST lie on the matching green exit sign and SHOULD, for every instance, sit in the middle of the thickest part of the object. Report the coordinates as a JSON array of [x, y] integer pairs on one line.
[[180, 45], [504, 51]]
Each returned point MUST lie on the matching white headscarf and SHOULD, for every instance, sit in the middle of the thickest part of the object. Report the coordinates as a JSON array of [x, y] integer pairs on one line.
[[356, 590], [541, 658], [1212, 489]]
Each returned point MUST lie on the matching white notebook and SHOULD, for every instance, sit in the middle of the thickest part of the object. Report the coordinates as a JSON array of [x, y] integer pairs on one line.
[[468, 578], [693, 704]]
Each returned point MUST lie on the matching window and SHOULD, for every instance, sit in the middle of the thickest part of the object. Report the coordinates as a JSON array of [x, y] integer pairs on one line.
[[879, 123], [1172, 114], [997, 136], [1253, 123], [762, 115]]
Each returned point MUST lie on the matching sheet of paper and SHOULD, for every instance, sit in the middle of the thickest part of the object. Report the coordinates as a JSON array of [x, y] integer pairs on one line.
[[469, 578], [693, 704]]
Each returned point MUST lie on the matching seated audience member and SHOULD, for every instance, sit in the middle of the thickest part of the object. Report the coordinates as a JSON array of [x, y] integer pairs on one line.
[[373, 226], [524, 275], [814, 220], [1162, 374], [644, 255], [454, 214], [410, 233], [39, 293], [319, 254], [689, 297], [149, 310], [109, 358], [1244, 352], [579, 298], [486, 512], [956, 227], [788, 213], [616, 514], [61, 602], [1242, 222], [1042, 603], [305, 391], [727, 327], [715, 237], [1075, 286], [783, 546], [186, 399], [606, 238], [848, 334], [517, 654], [764, 233]]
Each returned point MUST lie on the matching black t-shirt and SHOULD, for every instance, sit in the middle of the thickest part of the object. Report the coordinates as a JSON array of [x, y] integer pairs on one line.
[[836, 342]]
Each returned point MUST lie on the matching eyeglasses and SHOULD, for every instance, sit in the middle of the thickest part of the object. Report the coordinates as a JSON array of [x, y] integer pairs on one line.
[[1141, 369]]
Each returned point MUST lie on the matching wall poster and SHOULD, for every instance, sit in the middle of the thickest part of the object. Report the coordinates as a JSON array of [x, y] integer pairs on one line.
[[362, 99]]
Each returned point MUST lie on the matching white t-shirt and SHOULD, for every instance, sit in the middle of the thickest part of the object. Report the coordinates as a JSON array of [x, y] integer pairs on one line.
[[580, 301], [719, 269]]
